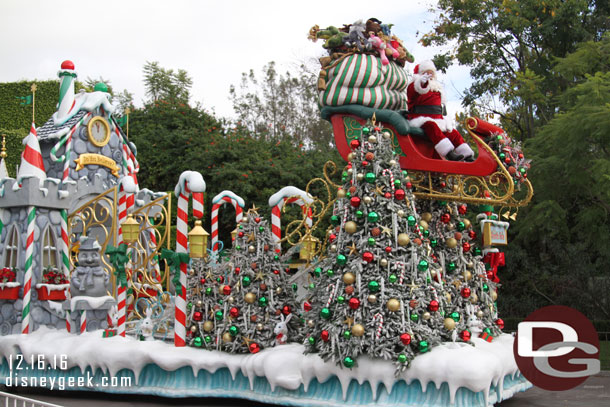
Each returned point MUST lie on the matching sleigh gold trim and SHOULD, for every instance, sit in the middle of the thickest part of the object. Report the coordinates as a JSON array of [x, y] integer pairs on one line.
[[484, 181]]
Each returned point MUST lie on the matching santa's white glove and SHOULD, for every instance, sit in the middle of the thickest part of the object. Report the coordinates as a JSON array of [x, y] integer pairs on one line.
[[426, 77]]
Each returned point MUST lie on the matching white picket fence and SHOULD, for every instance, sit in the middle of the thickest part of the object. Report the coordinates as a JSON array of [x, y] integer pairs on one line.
[[11, 400]]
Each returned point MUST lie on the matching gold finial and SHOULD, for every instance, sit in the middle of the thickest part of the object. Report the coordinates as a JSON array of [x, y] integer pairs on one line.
[[374, 119], [3, 151], [127, 110], [34, 88]]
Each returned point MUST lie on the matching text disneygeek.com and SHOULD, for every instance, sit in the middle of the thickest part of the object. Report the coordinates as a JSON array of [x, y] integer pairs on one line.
[[26, 372]]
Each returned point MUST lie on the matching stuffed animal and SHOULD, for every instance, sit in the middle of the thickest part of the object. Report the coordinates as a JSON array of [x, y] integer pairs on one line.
[[281, 330], [355, 37], [333, 37], [380, 46]]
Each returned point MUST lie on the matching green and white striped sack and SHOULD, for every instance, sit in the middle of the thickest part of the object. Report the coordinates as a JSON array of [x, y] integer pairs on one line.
[[363, 80]]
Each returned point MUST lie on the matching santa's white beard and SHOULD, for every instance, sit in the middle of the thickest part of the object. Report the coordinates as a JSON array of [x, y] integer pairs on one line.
[[435, 85]]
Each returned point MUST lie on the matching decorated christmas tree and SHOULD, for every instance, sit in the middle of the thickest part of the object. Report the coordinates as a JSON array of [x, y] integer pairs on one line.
[[246, 304]]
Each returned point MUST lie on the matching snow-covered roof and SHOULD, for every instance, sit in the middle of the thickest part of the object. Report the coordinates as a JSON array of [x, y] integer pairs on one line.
[[49, 131]]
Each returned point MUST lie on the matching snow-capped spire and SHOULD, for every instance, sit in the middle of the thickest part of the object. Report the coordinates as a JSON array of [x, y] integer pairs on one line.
[[31, 159], [67, 74]]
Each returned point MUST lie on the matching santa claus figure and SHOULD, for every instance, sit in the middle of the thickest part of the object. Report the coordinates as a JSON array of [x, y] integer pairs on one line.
[[425, 99]]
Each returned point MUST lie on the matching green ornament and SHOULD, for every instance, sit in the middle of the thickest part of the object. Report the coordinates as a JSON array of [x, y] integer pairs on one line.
[[341, 260], [263, 301], [411, 220], [414, 317], [485, 287], [348, 362], [405, 173], [241, 226], [477, 251], [371, 241], [348, 194], [402, 358], [423, 265], [393, 278], [311, 340], [366, 130], [397, 182], [276, 257], [461, 226], [424, 346], [343, 179], [499, 137], [238, 247], [325, 313], [208, 291], [312, 286], [347, 334], [207, 339], [295, 288], [433, 242], [220, 302], [372, 217], [359, 214], [522, 170], [317, 271], [370, 177], [455, 316], [451, 266], [487, 331], [198, 342], [442, 203], [335, 220], [189, 305], [344, 174], [218, 315], [373, 286], [245, 281], [330, 272], [426, 233], [261, 229], [219, 280], [502, 156], [340, 299], [233, 330]]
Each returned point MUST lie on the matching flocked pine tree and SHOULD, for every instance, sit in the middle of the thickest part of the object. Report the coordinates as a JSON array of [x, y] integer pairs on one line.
[[376, 292], [243, 301]]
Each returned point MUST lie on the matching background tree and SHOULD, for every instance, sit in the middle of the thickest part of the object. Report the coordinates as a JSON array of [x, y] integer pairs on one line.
[[165, 84]]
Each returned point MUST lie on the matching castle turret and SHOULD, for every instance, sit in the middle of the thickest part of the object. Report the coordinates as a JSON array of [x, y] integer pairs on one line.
[[67, 74]]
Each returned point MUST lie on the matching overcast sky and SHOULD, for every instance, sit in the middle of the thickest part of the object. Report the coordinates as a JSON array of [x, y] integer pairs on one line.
[[214, 41]]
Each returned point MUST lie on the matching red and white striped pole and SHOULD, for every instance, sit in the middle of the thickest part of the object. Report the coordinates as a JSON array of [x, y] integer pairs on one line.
[[83, 321], [287, 195], [27, 279], [219, 200], [190, 182]]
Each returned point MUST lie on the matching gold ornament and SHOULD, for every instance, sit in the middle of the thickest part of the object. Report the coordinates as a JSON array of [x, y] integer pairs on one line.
[[251, 249], [333, 248], [191, 272], [450, 226], [449, 324], [349, 278], [351, 227], [367, 200], [231, 300], [426, 315], [470, 265], [433, 273], [494, 295], [360, 177], [199, 303], [208, 326], [372, 139], [259, 327], [479, 314], [423, 224], [350, 157], [386, 135], [311, 323], [383, 262], [467, 223], [467, 275], [403, 239], [448, 297], [392, 162], [340, 193], [427, 216], [372, 299], [193, 328], [451, 243], [250, 298], [474, 298], [350, 171], [226, 337], [401, 213], [278, 290], [357, 330], [393, 304]]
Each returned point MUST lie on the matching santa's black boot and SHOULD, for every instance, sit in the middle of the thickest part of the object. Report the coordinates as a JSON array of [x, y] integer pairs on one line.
[[453, 156]]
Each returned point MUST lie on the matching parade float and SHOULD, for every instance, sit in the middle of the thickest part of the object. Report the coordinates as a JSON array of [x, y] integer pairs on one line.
[[395, 306]]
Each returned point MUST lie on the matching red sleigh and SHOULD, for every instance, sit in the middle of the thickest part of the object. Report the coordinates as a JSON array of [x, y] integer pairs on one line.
[[485, 180]]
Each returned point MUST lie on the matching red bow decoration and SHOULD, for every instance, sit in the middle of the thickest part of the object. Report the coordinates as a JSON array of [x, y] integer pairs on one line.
[[494, 260]]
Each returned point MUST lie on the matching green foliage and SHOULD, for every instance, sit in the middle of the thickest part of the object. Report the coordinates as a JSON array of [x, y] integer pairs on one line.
[[14, 116], [165, 84], [13, 148]]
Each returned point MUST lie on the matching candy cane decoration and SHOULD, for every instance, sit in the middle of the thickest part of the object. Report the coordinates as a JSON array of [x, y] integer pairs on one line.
[[333, 290], [219, 200], [378, 316], [121, 306], [401, 279], [27, 279], [189, 182], [83, 321], [389, 172], [67, 140], [68, 326], [277, 201]]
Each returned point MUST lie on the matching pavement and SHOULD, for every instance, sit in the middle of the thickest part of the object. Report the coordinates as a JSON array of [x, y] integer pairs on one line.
[[594, 392]]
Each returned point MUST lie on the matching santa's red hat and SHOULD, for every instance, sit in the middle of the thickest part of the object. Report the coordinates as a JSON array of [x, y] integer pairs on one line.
[[424, 66]]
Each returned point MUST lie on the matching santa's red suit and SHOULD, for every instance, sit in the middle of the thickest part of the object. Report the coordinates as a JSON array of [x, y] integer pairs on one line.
[[425, 101]]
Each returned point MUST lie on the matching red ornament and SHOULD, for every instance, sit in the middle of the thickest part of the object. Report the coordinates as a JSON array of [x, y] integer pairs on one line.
[[369, 156], [387, 195], [226, 290], [257, 220], [240, 234], [433, 306], [287, 270], [354, 303], [462, 209], [500, 323], [237, 270], [276, 272], [365, 163], [253, 318], [349, 290], [67, 64], [405, 339], [352, 189], [388, 249], [355, 201], [375, 231], [465, 293], [197, 316], [325, 335], [445, 218], [443, 184], [286, 310], [377, 129], [465, 335], [368, 257], [399, 194], [409, 185], [254, 347], [263, 286], [332, 237], [472, 234], [413, 304], [234, 312], [220, 279], [354, 144], [466, 247], [307, 306], [202, 280]]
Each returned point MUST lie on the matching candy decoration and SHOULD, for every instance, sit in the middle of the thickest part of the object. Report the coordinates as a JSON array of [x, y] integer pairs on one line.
[[28, 267], [219, 200], [121, 306], [379, 318], [190, 181], [288, 195], [65, 242], [83, 321]]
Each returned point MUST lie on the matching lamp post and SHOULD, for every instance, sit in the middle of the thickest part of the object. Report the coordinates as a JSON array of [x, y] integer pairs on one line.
[[131, 229], [198, 241], [309, 247]]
